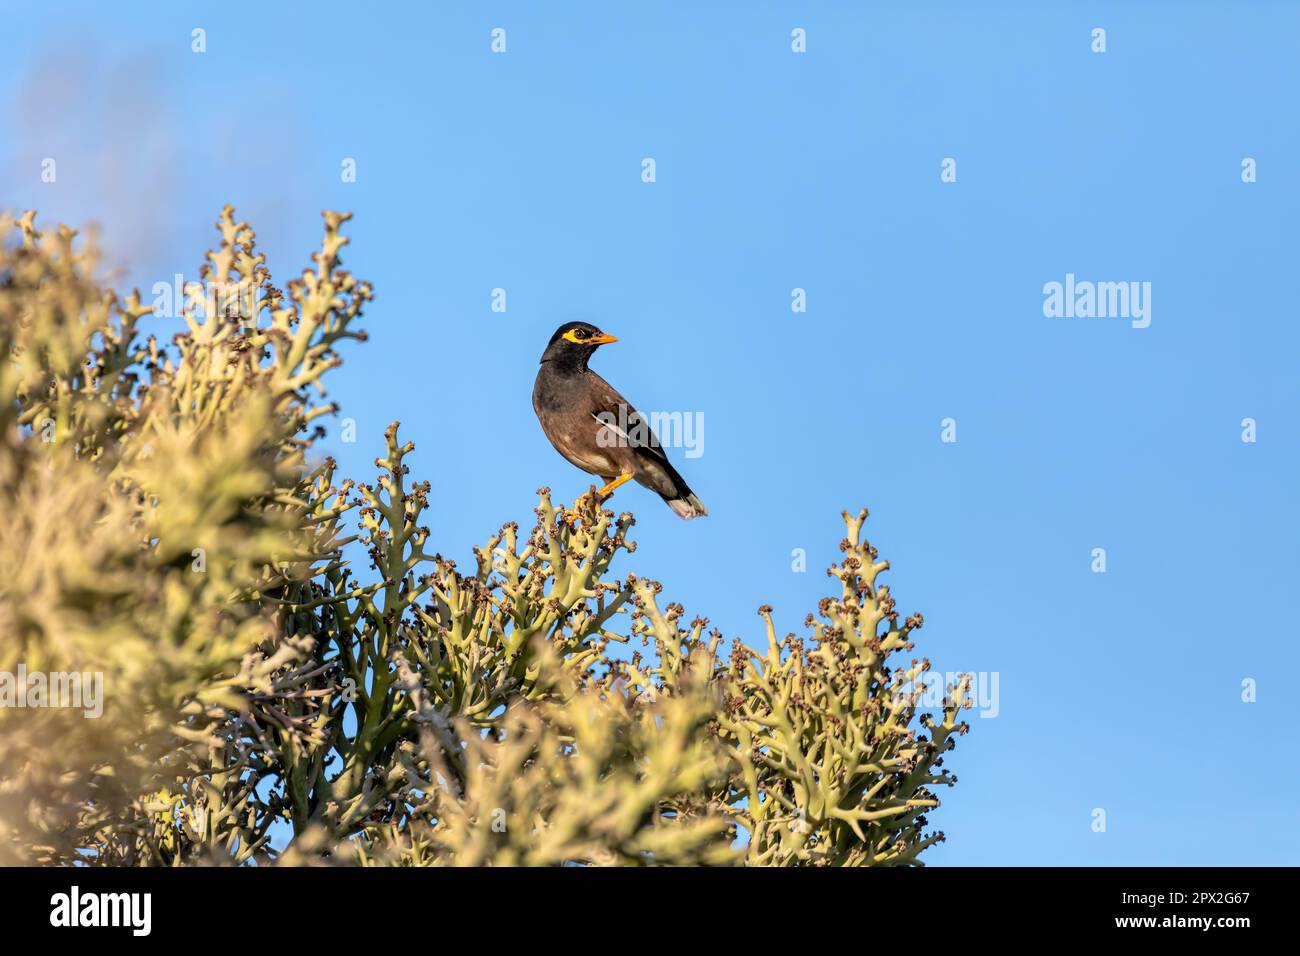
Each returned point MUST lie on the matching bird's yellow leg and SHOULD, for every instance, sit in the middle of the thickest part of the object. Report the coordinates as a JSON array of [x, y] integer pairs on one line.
[[610, 488]]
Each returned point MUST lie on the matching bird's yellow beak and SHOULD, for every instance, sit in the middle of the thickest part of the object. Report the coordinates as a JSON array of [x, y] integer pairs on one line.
[[602, 339]]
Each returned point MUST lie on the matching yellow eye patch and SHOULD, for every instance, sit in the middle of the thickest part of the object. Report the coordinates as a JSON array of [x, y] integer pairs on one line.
[[586, 337]]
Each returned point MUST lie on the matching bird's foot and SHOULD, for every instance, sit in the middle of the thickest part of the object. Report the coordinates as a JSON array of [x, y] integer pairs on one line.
[[608, 491], [586, 507]]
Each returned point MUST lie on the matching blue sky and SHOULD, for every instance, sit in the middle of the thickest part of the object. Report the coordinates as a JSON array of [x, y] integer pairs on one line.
[[821, 170]]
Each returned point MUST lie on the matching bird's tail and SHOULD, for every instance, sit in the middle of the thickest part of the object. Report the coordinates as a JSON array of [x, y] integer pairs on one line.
[[681, 499], [688, 507]]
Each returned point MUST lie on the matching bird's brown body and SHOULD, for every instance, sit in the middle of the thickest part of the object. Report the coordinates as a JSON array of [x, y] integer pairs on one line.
[[597, 429]]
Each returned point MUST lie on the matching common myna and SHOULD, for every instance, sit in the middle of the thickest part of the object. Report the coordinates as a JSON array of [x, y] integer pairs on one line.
[[596, 428]]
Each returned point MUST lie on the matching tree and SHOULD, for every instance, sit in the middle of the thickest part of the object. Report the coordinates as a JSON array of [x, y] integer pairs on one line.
[[172, 529]]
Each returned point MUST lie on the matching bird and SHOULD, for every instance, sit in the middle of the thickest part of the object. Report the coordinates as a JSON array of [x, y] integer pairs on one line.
[[596, 428]]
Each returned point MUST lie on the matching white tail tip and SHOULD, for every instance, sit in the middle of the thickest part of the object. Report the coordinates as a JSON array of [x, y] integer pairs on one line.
[[687, 508]]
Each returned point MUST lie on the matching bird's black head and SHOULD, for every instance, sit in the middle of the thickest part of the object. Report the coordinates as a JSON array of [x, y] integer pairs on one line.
[[573, 344]]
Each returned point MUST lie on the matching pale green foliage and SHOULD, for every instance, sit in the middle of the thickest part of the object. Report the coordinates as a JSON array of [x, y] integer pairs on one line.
[[266, 704]]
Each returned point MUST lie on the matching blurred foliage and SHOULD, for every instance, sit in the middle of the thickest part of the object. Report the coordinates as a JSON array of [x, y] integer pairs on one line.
[[170, 527]]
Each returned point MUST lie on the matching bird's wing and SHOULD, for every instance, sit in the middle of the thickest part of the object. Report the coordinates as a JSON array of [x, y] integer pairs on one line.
[[616, 413]]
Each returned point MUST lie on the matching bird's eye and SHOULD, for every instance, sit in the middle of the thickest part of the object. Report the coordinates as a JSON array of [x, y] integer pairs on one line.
[[579, 333]]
